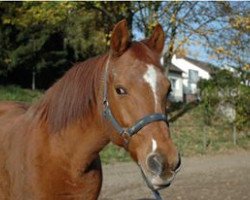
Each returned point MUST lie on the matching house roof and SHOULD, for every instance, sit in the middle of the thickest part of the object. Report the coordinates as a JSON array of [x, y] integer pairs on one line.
[[203, 65], [173, 68]]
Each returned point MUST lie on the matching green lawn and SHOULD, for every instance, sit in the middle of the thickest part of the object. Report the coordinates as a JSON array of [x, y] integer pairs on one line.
[[188, 132], [192, 136], [14, 93]]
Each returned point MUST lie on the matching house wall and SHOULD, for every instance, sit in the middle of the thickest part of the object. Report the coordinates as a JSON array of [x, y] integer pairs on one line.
[[185, 66], [177, 88]]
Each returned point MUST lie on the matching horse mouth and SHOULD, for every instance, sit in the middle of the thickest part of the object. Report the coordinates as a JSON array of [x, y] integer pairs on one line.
[[160, 187], [156, 183], [159, 183]]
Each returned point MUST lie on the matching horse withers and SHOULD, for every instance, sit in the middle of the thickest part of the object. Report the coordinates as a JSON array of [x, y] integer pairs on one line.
[[50, 150]]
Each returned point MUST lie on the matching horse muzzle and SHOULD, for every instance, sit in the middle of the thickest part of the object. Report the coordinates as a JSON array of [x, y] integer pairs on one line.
[[157, 173]]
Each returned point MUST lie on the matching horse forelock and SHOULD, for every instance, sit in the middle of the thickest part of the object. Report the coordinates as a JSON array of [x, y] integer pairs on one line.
[[142, 52], [74, 96]]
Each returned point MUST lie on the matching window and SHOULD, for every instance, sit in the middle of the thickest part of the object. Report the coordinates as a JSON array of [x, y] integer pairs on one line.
[[173, 83], [193, 76]]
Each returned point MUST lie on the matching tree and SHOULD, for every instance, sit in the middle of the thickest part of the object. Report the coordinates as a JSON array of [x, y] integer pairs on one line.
[[226, 98], [7, 34], [229, 43], [110, 13], [39, 35], [48, 34], [34, 24], [222, 28]]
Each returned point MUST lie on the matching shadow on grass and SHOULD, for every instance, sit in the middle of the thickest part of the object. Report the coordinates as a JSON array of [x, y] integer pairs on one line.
[[184, 109]]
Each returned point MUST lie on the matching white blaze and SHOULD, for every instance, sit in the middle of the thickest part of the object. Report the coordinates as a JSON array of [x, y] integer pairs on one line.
[[151, 78], [154, 145]]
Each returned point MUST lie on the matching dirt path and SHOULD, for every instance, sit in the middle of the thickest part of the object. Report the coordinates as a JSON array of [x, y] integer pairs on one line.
[[219, 177]]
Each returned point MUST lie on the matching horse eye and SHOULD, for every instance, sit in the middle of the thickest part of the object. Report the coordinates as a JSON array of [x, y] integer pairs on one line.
[[121, 91]]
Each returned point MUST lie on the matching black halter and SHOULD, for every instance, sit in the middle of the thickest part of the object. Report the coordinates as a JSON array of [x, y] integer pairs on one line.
[[130, 131]]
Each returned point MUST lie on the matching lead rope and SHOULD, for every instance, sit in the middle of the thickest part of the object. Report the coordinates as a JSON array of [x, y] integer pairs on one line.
[[105, 89], [156, 193]]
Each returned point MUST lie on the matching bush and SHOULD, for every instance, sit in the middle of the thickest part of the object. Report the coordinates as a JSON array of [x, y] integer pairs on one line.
[[224, 89]]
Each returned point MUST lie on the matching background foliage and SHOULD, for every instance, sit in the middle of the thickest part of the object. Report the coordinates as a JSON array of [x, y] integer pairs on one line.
[[226, 91], [44, 39]]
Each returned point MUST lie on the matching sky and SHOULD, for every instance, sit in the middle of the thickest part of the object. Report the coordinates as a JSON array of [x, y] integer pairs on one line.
[[197, 47], [197, 51]]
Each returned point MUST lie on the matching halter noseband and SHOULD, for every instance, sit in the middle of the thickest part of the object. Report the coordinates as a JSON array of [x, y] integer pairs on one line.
[[110, 117], [134, 128]]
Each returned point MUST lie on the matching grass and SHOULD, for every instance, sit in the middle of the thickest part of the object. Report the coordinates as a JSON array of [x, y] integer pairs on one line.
[[189, 132], [15, 93], [112, 153], [193, 137]]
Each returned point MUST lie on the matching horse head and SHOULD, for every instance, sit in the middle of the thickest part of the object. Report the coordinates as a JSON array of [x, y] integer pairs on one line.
[[135, 98]]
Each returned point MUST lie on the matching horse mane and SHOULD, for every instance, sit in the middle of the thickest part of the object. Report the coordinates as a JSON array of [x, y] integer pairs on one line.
[[72, 97]]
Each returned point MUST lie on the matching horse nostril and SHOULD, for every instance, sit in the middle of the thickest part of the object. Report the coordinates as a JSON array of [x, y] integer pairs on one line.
[[177, 167], [155, 164]]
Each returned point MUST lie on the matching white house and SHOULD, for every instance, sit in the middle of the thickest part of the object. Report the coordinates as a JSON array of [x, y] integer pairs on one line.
[[184, 73], [175, 77]]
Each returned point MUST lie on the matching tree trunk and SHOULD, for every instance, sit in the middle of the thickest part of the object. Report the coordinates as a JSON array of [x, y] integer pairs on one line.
[[234, 135], [204, 138], [33, 79]]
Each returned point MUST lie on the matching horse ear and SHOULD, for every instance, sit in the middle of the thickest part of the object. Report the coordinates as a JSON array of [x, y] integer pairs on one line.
[[157, 39], [119, 38]]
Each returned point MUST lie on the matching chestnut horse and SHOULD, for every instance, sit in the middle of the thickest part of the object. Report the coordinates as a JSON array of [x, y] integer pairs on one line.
[[50, 150]]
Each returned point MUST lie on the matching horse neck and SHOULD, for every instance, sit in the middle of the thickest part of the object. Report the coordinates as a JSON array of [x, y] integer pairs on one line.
[[83, 137], [80, 143]]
